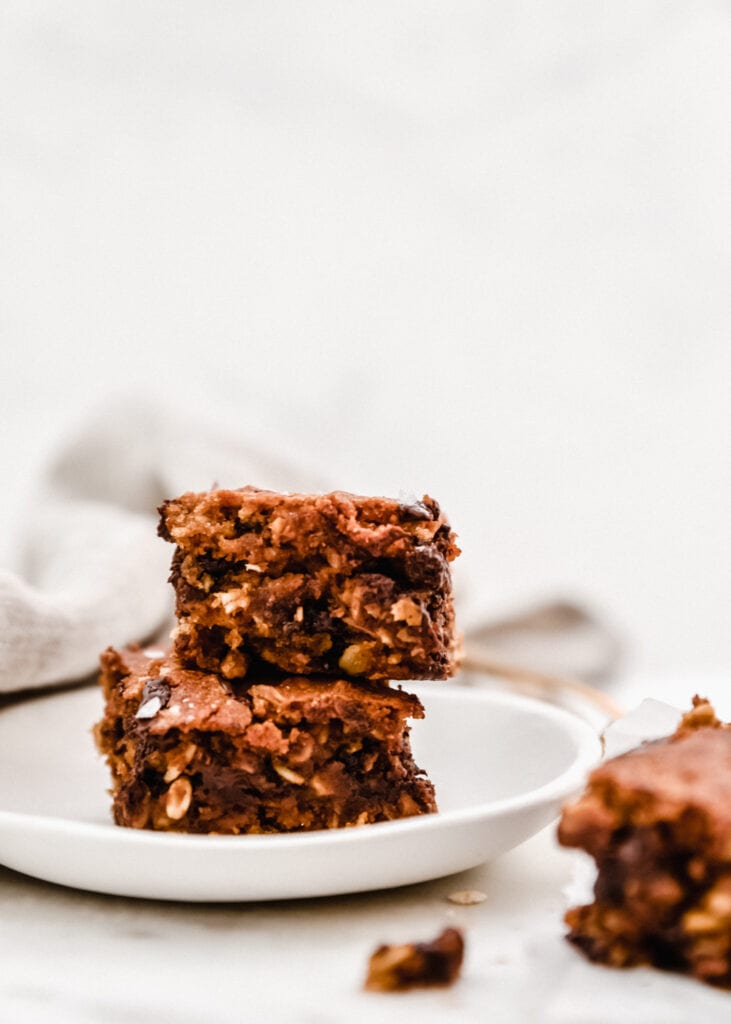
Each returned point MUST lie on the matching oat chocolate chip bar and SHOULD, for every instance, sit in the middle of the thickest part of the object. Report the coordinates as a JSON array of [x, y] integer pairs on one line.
[[190, 752], [327, 583], [657, 821]]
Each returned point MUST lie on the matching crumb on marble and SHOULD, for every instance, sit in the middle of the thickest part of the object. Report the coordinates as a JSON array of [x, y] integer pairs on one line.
[[397, 968]]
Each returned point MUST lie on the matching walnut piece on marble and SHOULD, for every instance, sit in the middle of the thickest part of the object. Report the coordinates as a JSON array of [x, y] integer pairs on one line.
[[396, 968]]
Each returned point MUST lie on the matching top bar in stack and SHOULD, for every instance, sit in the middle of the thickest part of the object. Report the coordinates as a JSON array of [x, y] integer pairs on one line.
[[324, 583]]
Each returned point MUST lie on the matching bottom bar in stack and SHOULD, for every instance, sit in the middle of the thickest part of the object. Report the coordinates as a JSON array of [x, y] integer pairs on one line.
[[190, 752]]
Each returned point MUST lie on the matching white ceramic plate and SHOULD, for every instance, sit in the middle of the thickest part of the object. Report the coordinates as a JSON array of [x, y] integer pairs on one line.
[[501, 765]]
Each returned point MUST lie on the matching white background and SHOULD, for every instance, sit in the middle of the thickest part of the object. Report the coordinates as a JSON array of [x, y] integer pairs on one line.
[[480, 249]]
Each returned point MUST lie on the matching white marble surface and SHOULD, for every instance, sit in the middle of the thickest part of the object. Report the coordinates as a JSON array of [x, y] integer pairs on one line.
[[76, 957], [477, 248]]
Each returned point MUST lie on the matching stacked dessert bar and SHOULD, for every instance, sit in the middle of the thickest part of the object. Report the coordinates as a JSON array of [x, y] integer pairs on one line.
[[273, 711]]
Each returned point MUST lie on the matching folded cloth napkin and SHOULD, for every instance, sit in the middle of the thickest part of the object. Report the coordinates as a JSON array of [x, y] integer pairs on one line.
[[91, 570]]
